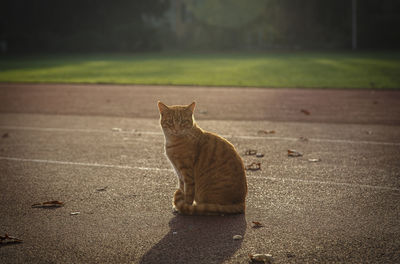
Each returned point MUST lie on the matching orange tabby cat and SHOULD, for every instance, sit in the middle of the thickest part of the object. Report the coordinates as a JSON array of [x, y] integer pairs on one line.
[[210, 172]]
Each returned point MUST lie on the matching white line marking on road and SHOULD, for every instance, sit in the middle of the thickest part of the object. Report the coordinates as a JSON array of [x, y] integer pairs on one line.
[[83, 164], [352, 185], [343, 141], [52, 129]]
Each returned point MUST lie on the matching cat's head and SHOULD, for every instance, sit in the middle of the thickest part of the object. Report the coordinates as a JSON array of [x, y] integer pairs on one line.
[[176, 120]]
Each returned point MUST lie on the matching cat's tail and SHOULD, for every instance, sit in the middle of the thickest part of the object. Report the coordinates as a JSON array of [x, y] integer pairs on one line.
[[206, 209]]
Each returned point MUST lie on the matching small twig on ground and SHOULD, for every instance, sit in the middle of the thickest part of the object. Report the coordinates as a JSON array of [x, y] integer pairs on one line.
[[48, 204], [6, 239]]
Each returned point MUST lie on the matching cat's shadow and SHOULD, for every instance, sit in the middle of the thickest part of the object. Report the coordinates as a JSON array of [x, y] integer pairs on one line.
[[198, 239]]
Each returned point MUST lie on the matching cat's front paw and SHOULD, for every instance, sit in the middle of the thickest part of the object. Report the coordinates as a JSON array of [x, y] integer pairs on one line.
[[175, 210], [189, 201], [178, 196]]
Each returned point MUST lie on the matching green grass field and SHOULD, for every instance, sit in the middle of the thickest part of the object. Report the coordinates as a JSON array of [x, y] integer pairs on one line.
[[290, 69]]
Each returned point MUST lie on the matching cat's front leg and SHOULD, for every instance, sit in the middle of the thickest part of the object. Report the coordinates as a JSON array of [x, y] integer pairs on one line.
[[189, 191], [186, 182], [181, 185]]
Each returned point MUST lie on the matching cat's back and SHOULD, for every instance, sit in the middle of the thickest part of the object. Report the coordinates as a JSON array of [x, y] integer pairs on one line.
[[219, 171], [215, 150], [216, 142]]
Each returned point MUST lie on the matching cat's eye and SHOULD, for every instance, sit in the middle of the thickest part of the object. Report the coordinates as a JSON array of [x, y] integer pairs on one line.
[[186, 123]]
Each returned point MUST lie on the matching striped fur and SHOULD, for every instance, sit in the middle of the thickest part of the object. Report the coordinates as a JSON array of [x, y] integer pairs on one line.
[[211, 176]]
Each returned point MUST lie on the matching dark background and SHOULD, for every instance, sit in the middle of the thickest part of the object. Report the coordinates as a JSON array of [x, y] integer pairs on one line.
[[211, 25]]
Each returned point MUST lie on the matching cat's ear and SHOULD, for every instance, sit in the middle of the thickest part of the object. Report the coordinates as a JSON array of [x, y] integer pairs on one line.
[[191, 107], [162, 107]]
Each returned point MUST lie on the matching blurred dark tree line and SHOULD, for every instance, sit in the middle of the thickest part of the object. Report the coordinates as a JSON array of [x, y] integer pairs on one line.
[[80, 25], [144, 25], [289, 24]]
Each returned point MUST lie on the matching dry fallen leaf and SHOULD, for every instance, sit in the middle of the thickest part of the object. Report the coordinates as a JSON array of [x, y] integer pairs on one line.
[[266, 132], [250, 152], [266, 258], [306, 112], [257, 224], [237, 237], [294, 153], [75, 213], [9, 239], [314, 160], [102, 189], [48, 204], [253, 166]]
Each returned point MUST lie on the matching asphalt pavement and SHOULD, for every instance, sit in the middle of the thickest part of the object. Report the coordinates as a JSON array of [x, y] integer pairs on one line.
[[99, 150]]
